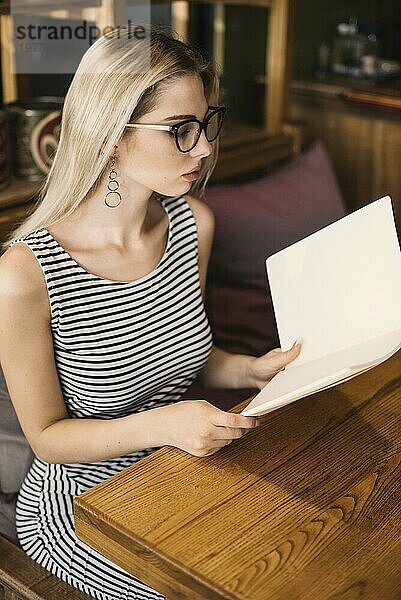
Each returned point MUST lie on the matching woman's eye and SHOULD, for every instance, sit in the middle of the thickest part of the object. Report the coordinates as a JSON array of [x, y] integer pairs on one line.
[[184, 132]]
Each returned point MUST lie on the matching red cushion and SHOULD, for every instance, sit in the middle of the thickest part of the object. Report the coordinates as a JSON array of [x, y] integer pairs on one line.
[[253, 221], [241, 315]]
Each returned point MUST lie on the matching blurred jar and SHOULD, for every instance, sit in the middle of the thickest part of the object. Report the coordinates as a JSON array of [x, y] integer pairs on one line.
[[35, 129], [348, 47], [369, 65], [369, 59]]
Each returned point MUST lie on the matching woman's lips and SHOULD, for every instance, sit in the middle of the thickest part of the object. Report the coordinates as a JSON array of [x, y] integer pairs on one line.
[[192, 175]]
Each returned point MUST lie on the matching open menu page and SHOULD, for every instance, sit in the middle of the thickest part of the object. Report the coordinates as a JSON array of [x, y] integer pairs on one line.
[[338, 292]]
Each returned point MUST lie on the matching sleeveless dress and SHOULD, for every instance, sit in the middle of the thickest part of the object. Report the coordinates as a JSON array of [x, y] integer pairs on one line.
[[120, 348]]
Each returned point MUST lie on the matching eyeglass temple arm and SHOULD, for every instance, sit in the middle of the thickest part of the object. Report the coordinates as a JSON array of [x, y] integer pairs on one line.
[[147, 126]]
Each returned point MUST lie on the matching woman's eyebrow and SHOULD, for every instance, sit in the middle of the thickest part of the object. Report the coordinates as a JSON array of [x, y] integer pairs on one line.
[[179, 117], [183, 117]]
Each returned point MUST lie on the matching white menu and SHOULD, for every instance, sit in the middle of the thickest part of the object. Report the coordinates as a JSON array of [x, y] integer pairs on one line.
[[338, 292]]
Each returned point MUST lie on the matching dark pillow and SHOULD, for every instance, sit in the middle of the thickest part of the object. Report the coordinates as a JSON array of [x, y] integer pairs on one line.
[[15, 453], [15, 459], [253, 221]]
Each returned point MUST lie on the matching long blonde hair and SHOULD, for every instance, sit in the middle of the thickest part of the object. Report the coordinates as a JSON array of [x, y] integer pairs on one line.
[[116, 81]]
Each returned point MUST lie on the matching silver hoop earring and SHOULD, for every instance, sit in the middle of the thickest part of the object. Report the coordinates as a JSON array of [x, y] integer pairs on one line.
[[113, 197]]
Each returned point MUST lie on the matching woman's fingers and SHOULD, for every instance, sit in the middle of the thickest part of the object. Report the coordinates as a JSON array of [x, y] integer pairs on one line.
[[289, 355], [295, 349]]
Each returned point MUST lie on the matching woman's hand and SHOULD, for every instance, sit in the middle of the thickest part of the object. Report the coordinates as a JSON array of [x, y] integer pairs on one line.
[[262, 369], [201, 429]]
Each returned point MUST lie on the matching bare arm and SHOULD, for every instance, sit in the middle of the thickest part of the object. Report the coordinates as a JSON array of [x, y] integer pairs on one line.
[[226, 370]]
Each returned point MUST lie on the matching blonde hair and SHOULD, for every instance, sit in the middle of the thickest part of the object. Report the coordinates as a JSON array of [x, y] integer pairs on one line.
[[116, 81]]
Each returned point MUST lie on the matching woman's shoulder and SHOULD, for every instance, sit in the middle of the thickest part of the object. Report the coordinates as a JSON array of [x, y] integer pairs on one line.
[[203, 214], [21, 276], [204, 219]]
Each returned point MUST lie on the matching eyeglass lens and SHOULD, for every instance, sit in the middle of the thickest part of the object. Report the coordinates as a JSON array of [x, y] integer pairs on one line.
[[188, 134]]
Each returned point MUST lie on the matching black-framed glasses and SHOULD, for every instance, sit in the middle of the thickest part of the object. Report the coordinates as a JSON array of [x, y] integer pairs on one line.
[[187, 133]]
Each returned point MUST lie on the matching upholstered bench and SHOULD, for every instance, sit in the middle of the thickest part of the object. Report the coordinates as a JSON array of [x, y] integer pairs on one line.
[[21, 578]]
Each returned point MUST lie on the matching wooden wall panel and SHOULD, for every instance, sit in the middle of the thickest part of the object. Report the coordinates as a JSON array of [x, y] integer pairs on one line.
[[364, 144]]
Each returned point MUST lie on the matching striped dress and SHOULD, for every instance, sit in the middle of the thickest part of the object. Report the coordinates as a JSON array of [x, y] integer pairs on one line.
[[120, 348]]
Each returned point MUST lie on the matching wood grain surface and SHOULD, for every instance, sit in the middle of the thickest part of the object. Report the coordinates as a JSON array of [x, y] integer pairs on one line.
[[306, 507], [364, 144]]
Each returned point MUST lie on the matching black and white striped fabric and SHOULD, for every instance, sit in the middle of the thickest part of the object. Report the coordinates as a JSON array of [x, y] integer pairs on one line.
[[120, 348]]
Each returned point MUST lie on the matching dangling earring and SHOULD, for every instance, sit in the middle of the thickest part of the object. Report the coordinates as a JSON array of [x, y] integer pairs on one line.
[[113, 197]]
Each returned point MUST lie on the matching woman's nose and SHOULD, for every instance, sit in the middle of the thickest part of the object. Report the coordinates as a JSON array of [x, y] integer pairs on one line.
[[202, 148]]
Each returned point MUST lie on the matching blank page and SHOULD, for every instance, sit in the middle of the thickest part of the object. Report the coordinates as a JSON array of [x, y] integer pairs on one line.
[[340, 286]]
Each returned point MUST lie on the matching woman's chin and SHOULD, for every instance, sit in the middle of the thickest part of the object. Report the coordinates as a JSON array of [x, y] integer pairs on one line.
[[176, 190]]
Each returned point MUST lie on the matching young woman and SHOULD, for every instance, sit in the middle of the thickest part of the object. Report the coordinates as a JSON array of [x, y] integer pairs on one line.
[[102, 322]]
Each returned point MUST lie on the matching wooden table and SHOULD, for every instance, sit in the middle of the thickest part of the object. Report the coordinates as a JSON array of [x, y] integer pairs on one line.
[[306, 507]]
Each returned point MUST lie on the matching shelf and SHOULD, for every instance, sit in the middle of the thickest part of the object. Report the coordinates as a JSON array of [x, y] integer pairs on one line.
[[378, 96], [18, 192]]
